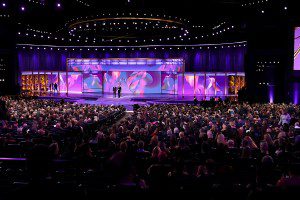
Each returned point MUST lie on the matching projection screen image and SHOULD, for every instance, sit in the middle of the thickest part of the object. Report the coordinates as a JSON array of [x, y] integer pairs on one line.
[[297, 49], [133, 82]]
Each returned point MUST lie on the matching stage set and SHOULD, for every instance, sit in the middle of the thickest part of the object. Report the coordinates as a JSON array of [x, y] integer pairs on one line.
[[141, 79]]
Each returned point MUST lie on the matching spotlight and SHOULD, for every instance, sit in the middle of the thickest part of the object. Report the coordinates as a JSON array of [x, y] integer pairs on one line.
[[3, 4], [58, 5], [22, 8]]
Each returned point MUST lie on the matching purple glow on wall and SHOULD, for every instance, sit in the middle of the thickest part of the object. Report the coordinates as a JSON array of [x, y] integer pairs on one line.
[[297, 49], [271, 94], [296, 93]]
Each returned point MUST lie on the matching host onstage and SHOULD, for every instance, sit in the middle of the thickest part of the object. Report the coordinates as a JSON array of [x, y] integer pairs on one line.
[[117, 89]]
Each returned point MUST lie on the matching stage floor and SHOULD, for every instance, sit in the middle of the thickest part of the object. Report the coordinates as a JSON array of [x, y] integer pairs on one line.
[[127, 100]]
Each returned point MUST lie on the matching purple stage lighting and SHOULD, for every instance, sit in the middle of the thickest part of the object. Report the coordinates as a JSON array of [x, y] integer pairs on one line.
[[3, 4], [296, 93], [271, 94], [58, 5], [22, 8]]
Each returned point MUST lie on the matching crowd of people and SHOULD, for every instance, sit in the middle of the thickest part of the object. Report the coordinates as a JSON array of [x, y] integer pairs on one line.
[[236, 147], [54, 121]]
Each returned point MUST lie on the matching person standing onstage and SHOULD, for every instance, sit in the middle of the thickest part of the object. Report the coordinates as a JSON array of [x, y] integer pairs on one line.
[[195, 100], [50, 87], [55, 87], [119, 91], [115, 91]]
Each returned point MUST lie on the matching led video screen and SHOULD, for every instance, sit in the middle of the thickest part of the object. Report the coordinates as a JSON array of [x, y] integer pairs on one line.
[[189, 81], [200, 84], [123, 64], [62, 82], [138, 82], [297, 49], [74, 82], [168, 83], [180, 84], [92, 82], [215, 85]]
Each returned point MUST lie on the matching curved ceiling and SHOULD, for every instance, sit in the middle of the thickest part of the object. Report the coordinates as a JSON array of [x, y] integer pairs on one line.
[[209, 20]]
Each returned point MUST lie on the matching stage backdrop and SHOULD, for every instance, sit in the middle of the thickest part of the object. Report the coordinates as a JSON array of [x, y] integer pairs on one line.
[[197, 60]]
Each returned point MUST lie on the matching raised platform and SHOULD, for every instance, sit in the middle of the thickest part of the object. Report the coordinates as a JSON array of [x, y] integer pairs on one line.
[[127, 100]]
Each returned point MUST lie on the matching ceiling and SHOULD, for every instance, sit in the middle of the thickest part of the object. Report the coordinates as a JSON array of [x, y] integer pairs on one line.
[[47, 16]]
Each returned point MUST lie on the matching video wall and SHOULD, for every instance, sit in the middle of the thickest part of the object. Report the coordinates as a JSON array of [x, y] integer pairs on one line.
[[297, 49], [138, 82], [135, 76], [92, 82], [125, 64]]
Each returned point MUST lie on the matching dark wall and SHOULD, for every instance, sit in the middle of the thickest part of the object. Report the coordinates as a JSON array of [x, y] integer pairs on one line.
[[8, 55], [269, 40]]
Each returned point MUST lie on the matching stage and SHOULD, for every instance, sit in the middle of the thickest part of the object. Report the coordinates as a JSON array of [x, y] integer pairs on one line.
[[128, 100]]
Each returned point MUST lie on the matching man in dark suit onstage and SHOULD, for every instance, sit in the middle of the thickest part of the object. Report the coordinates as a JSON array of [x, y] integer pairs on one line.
[[115, 91], [119, 91]]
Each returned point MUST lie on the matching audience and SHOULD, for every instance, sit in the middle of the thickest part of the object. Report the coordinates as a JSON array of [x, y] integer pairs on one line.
[[164, 147]]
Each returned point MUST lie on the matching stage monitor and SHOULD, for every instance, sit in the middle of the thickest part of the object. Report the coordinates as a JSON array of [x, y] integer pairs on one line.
[[297, 49]]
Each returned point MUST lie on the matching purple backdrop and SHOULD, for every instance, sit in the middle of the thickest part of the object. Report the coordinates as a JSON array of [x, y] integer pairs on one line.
[[201, 60]]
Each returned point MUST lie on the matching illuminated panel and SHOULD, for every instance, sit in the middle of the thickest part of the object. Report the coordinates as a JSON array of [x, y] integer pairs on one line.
[[92, 82], [231, 83], [189, 81], [180, 84], [95, 65], [138, 82], [200, 84], [220, 84], [210, 84], [62, 82], [74, 82], [239, 82], [297, 49], [169, 83]]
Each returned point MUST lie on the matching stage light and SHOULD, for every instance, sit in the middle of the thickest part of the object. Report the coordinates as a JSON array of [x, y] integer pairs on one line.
[[58, 5], [22, 8], [3, 4]]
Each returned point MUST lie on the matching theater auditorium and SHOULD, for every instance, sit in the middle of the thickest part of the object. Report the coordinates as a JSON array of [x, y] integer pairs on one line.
[[136, 97]]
